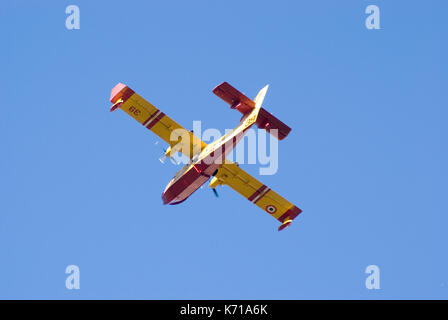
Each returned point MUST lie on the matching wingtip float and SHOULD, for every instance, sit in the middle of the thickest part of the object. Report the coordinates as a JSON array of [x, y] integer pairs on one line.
[[207, 161]]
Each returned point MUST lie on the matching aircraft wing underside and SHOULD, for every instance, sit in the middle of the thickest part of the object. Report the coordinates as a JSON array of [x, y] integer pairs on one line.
[[155, 120], [232, 175]]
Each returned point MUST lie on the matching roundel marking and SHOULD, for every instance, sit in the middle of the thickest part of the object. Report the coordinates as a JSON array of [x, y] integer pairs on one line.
[[271, 209]]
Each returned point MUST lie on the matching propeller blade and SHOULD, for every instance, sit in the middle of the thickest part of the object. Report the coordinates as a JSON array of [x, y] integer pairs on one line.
[[162, 159], [215, 192], [174, 161]]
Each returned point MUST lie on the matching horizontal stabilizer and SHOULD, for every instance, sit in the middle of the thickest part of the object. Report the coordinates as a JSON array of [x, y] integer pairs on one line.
[[272, 124], [237, 100]]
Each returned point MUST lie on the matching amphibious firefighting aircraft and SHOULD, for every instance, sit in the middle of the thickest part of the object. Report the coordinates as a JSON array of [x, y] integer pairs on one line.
[[209, 161]]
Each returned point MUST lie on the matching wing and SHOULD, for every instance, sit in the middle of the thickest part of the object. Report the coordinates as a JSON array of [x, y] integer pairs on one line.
[[155, 120], [259, 194]]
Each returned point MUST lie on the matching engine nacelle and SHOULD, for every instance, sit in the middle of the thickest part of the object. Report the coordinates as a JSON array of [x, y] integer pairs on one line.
[[214, 182]]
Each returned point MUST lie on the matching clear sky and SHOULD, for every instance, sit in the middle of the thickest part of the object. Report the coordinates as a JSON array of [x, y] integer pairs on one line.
[[366, 158]]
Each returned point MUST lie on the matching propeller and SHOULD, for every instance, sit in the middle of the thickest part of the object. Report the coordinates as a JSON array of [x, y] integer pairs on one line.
[[166, 151], [162, 159], [214, 180]]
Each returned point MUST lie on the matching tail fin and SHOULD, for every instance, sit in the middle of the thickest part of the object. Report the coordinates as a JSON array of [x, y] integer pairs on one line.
[[253, 115], [260, 97]]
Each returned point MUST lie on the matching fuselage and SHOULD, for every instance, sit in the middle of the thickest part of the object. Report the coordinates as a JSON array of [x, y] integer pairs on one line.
[[194, 174]]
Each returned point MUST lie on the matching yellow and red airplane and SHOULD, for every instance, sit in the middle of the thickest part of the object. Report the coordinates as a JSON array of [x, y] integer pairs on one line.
[[209, 161]]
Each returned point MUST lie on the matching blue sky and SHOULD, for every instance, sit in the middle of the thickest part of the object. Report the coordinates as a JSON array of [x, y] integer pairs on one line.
[[366, 159]]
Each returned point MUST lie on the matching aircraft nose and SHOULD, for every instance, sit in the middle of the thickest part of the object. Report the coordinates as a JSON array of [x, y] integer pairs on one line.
[[165, 198]]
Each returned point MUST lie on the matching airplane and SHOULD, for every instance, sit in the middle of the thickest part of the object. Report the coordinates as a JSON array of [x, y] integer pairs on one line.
[[209, 161]]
